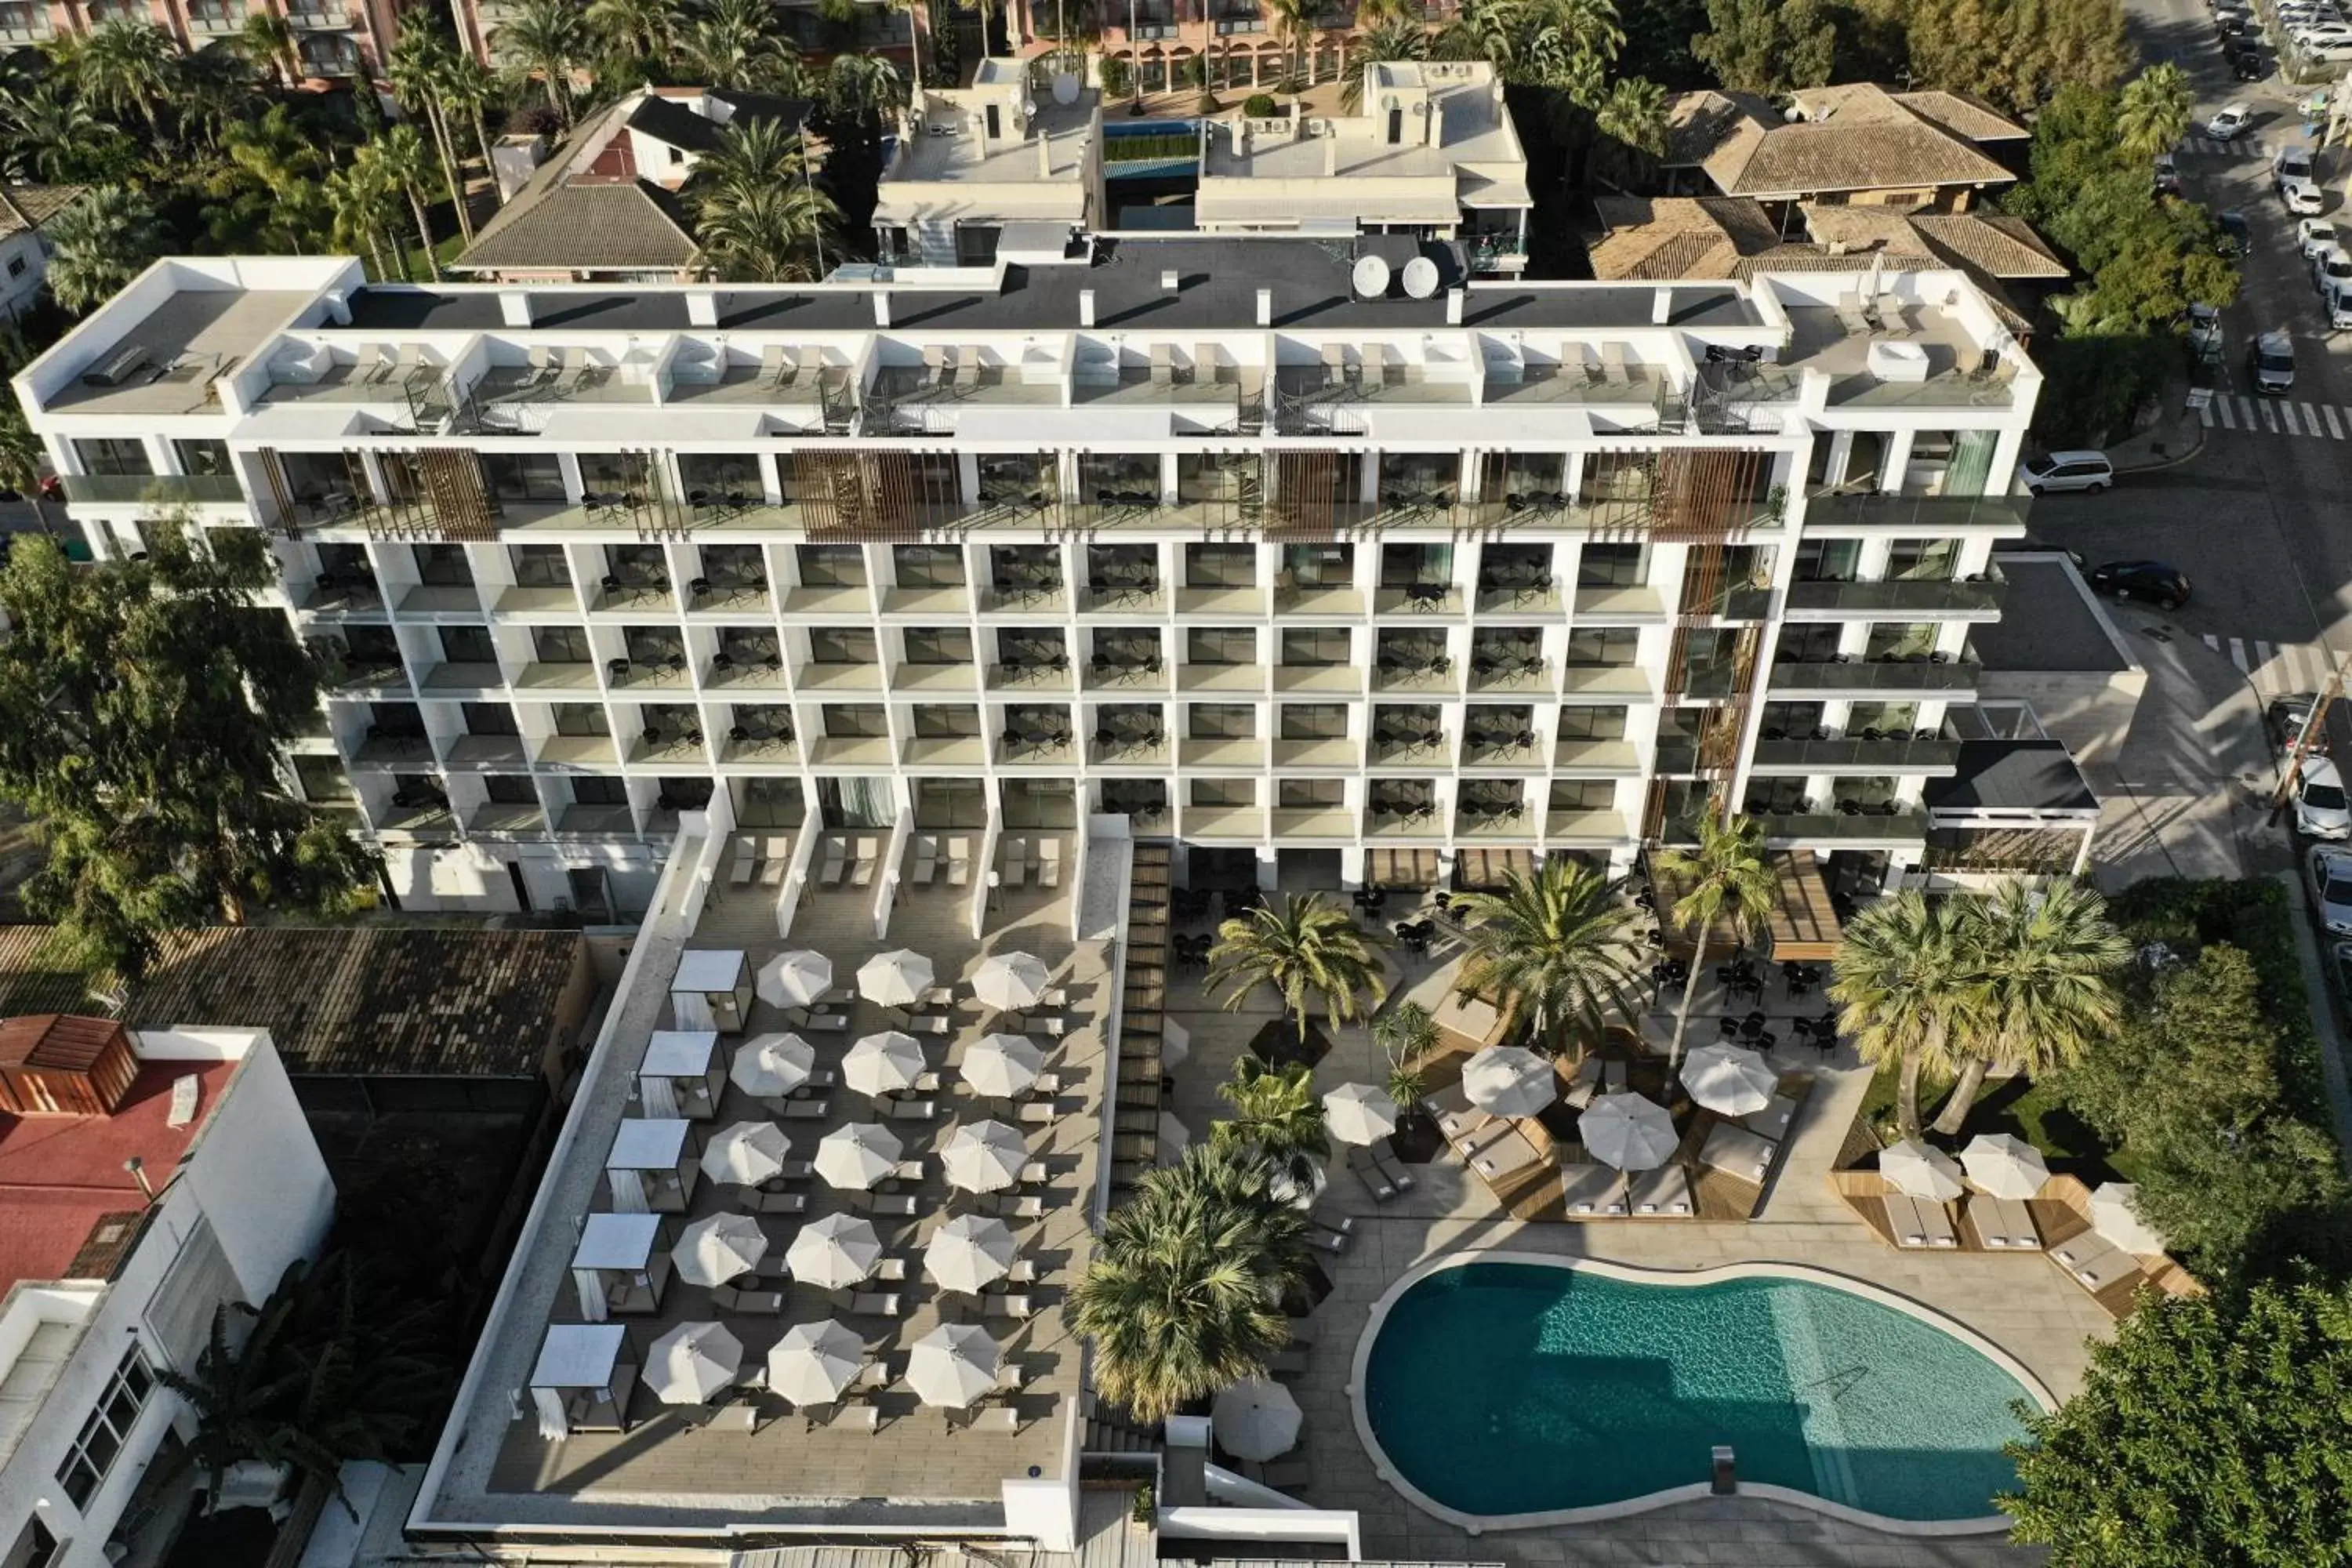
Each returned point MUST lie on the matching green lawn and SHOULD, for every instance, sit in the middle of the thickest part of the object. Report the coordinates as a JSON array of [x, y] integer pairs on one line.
[[446, 249], [2021, 1108]]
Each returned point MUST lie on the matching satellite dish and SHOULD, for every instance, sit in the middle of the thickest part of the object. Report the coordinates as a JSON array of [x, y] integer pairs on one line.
[[1421, 278], [1066, 87], [1371, 278]]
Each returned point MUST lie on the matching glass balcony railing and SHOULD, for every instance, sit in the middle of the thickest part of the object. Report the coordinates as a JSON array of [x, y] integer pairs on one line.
[[1927, 515], [1982, 593], [189, 489], [1869, 823], [1939, 673], [1828, 753]]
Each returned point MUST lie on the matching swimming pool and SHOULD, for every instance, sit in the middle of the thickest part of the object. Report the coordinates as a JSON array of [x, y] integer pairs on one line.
[[1505, 1389]]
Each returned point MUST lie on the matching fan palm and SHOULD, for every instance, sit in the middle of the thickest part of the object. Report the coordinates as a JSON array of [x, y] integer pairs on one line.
[[51, 130], [641, 29], [547, 39], [862, 87], [757, 213], [1902, 985], [1633, 118], [1292, 21], [364, 208], [1556, 948], [1730, 880], [401, 159], [1393, 38], [1276, 1118], [100, 244], [276, 154], [467, 87], [2152, 110], [1183, 1294], [735, 44], [2042, 966], [127, 66], [1307, 950]]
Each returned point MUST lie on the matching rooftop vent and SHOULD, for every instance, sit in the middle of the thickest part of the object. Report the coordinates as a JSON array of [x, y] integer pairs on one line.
[[117, 367]]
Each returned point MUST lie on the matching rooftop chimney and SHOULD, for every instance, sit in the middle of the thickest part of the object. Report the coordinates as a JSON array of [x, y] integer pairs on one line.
[[1265, 307], [1171, 281], [514, 308], [1454, 300], [1086, 307], [881, 307], [703, 308], [1662, 307]]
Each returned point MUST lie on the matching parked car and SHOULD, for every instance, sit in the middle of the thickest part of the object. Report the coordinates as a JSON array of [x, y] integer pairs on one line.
[[2283, 720], [2089, 472], [2204, 333], [2337, 302], [2321, 809], [2229, 24], [2237, 234], [2330, 267], [2295, 179], [2329, 871], [2167, 175], [2233, 119], [2315, 236], [2270, 362], [2166, 587], [2315, 34], [2246, 62]]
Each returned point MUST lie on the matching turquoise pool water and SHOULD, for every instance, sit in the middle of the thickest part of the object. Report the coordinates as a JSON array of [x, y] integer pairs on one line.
[[1509, 1388]]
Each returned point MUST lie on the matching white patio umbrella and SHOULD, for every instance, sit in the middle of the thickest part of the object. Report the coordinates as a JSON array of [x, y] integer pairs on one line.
[[886, 1063], [1002, 1067], [894, 979], [984, 1157], [714, 1250], [1509, 1081], [2114, 1214], [857, 1156], [1174, 1138], [1359, 1113], [1256, 1418], [1628, 1131], [767, 1067], [969, 1252], [952, 1365], [794, 978], [834, 1253], [1009, 982], [691, 1362], [814, 1364], [1921, 1171], [2005, 1166], [1729, 1078], [747, 1154]]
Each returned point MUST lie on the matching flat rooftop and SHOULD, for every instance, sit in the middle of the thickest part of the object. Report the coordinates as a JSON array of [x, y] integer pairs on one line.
[[2012, 776], [190, 338], [2049, 623]]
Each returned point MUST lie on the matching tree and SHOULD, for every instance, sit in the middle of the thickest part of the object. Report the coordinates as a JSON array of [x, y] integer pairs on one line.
[[1406, 1035], [401, 160], [1632, 119], [2042, 963], [1556, 948], [467, 87], [268, 41], [2016, 53], [735, 44], [1292, 21], [2208, 1431], [642, 29], [126, 65], [100, 244], [1308, 950], [22, 459], [1183, 1294], [277, 169], [417, 69], [148, 702], [2152, 112], [366, 209], [861, 88], [1767, 46], [757, 213], [1393, 38], [1900, 982], [1730, 880], [1564, 45], [54, 135], [547, 39], [1277, 1119]]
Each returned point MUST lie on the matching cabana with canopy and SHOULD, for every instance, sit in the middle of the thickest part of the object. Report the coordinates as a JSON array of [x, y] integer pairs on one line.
[[650, 1169], [682, 1074], [622, 1264]]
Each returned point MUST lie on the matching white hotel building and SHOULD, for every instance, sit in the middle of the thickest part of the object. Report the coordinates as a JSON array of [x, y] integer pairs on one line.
[[1187, 529]]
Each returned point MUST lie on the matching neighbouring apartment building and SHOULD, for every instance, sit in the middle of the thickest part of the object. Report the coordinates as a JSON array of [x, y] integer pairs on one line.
[[334, 39], [1234, 535]]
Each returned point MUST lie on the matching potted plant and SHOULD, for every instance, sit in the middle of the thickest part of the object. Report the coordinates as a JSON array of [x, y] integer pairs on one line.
[[1143, 1508]]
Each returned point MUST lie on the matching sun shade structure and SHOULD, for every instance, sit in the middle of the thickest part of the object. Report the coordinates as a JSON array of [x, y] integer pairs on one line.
[[1003, 1066], [834, 1253], [886, 1063], [1359, 1113], [1729, 1078], [2005, 1166], [1628, 1131], [1921, 1171], [984, 1157], [746, 1154], [1509, 1081], [814, 1364], [794, 979], [857, 1156], [952, 1365], [1802, 926], [894, 979], [692, 1362], [714, 1250], [769, 1066], [1009, 982], [1255, 1419], [2114, 1214], [969, 1253]]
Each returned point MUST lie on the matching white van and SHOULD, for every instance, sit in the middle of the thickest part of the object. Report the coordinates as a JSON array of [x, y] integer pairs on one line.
[[2338, 299], [2089, 472]]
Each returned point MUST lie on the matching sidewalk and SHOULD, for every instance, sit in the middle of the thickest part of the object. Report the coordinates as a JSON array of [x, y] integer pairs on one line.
[[2323, 1014], [2175, 435]]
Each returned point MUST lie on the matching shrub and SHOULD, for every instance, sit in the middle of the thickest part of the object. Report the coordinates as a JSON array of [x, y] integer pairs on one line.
[[1115, 76], [1261, 106]]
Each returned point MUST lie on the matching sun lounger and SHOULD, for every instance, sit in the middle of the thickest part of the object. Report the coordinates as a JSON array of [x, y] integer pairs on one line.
[[1661, 1193], [1023, 1272], [1368, 1171], [926, 859], [1384, 1156], [1049, 863], [836, 863], [1503, 1157], [1735, 1152], [806, 1018], [876, 1303], [959, 862], [1016, 867], [1023, 1205], [776, 863], [2023, 1233], [1051, 1024], [760, 1303], [887, 1205], [793, 1170], [1772, 1121], [2095, 1262], [1989, 1217], [1326, 1240], [1287, 1363], [861, 870], [1584, 1085], [747, 861], [1594, 1191], [1329, 1219], [1044, 1113], [1014, 1307], [808, 1110], [763, 1202], [1285, 1475], [906, 1171], [912, 1109]]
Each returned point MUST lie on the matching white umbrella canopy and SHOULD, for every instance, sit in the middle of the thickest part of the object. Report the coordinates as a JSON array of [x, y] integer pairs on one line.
[[834, 1253], [2114, 1214], [897, 979], [1359, 1113], [1729, 1078], [969, 1252], [1009, 982], [691, 1362], [984, 1157], [1255, 1419], [886, 1063], [794, 978], [1628, 1131], [814, 1364], [1002, 1065], [747, 1154], [2005, 1166], [952, 1365], [714, 1250], [857, 1156], [1921, 1171], [1509, 1081], [769, 1066]]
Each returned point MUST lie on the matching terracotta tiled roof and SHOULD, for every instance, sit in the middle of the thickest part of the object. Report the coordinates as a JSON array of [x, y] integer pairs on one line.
[[582, 227], [1857, 137], [1963, 115], [31, 207], [1656, 238], [1696, 122], [1993, 243]]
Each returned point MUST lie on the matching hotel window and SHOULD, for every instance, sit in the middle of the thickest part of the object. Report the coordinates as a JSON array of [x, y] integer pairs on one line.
[[1603, 645], [111, 455], [1220, 644], [856, 720], [939, 722], [589, 790], [1829, 560], [443, 565], [928, 565], [1923, 560], [840, 645], [1323, 646], [560, 645], [1612, 566], [929, 645], [489, 718], [833, 566], [109, 1427], [1583, 794], [509, 789], [1225, 792], [539, 565], [202, 456], [1605, 723], [525, 477], [581, 719], [1221, 721], [1807, 644], [1310, 794], [1314, 721], [1221, 565]]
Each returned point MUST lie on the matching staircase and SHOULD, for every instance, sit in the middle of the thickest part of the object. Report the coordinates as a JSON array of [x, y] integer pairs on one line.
[[1135, 1148]]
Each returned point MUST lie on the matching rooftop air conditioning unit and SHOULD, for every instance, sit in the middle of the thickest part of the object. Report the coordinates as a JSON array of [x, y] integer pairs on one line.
[[116, 368]]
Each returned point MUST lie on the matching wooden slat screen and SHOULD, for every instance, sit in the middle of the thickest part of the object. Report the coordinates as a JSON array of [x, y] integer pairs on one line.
[[865, 497], [281, 498], [1311, 493], [460, 499], [1707, 493]]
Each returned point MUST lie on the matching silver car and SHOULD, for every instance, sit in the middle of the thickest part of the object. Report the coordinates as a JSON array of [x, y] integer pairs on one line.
[[2329, 871]]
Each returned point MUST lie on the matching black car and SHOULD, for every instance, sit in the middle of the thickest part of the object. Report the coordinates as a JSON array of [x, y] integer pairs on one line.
[[2246, 63], [2166, 587], [2237, 234], [2286, 718]]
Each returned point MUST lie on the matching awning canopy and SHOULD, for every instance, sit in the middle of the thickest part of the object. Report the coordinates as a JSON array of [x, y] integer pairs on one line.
[[1802, 926], [1490, 869], [1405, 869]]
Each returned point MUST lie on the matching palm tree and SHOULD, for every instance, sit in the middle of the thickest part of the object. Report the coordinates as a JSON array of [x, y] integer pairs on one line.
[[758, 215], [1556, 948], [640, 29], [1731, 880], [401, 159], [100, 244], [1634, 119], [2152, 110], [418, 68], [467, 87], [51, 130], [546, 38], [1307, 949], [862, 87], [735, 44], [1393, 38], [1405, 1034], [268, 41], [1901, 982], [1293, 20], [1183, 1295], [2040, 965], [365, 208], [125, 66], [21, 457], [919, 17], [283, 159], [1277, 1119]]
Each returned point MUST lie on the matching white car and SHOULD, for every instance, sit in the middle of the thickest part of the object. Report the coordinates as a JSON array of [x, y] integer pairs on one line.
[[2337, 302], [2233, 119], [2332, 270], [2329, 54], [2315, 236], [2301, 194], [2321, 810], [2329, 871], [2320, 34], [2089, 472]]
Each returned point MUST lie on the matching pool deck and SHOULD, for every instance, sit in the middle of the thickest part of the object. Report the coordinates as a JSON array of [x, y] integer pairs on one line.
[[2021, 1303]]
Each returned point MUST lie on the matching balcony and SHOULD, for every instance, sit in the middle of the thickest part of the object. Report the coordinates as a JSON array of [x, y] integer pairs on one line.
[[487, 752], [1223, 822], [1029, 675], [430, 819], [1532, 598], [1619, 604], [1035, 599], [1675, 754], [1107, 598], [829, 600], [460, 679], [1711, 679], [615, 597], [439, 600], [1906, 825], [1314, 822], [1507, 673], [850, 751], [1247, 602], [1511, 821], [1117, 750], [1596, 756], [1582, 827], [320, 18], [1328, 752], [1036, 748], [944, 752], [1412, 674], [1422, 748], [742, 746], [595, 821], [954, 599], [1209, 677], [1939, 672], [665, 674], [1605, 680], [1925, 751], [837, 675], [1312, 602], [567, 675], [1104, 674], [1925, 516], [705, 597], [1338, 680], [518, 601], [961, 677], [1982, 594], [211, 20], [1198, 752], [1403, 819], [681, 747], [1519, 751], [1734, 605], [733, 674], [578, 751], [499, 819], [1418, 599], [331, 597], [392, 749], [375, 677], [165, 489]]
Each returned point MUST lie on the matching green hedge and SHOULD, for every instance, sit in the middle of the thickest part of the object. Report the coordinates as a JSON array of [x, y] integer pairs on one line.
[[1150, 149]]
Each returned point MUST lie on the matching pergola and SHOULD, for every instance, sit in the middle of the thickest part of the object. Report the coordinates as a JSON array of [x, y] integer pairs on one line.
[[1802, 926]]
